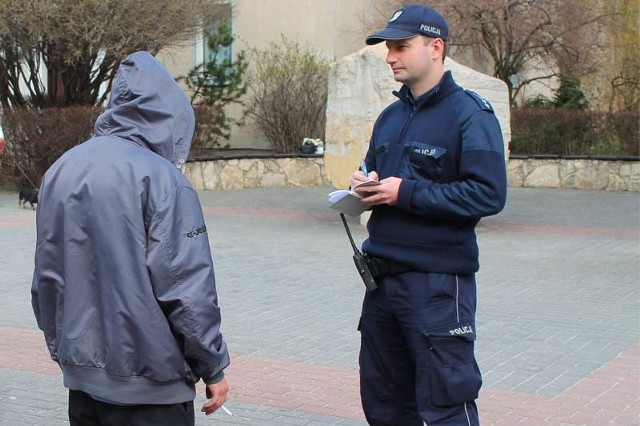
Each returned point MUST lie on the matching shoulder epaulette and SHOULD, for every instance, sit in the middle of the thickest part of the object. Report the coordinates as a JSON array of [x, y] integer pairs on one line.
[[482, 102]]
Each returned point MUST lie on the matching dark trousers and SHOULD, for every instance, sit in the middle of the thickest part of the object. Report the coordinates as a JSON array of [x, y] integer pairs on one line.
[[417, 362], [86, 411]]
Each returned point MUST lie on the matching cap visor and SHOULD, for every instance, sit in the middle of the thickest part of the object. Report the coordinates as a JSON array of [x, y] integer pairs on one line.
[[389, 34]]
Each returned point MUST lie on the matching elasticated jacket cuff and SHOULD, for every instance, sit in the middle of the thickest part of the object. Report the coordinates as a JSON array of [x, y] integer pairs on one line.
[[215, 379], [404, 194]]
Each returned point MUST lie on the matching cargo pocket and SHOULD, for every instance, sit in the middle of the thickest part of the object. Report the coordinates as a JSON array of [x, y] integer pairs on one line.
[[453, 374]]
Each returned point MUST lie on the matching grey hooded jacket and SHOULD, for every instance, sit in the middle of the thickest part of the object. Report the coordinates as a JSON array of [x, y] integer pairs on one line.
[[123, 286]]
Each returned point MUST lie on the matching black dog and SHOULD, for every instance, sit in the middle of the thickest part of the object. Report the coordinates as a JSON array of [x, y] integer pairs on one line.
[[28, 195]]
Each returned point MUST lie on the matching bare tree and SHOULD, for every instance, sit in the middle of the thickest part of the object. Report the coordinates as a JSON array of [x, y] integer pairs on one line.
[[59, 52], [625, 80], [526, 40]]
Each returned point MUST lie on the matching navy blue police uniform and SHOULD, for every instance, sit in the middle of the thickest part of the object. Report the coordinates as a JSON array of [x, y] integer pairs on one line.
[[418, 328]]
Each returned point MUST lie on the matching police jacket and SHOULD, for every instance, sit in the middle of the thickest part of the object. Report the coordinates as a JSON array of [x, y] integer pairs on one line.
[[123, 286], [447, 148]]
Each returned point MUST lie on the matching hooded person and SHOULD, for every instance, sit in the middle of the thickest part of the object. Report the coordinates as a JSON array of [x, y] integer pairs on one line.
[[124, 286]]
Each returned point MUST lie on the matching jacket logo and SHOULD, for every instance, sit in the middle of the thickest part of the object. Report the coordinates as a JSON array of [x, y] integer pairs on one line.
[[467, 329], [431, 152], [197, 231]]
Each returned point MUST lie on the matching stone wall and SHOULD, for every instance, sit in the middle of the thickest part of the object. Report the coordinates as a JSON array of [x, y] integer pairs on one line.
[[310, 171], [257, 173], [574, 174]]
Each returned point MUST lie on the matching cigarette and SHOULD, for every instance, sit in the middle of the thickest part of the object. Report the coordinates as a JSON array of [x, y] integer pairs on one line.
[[226, 410]]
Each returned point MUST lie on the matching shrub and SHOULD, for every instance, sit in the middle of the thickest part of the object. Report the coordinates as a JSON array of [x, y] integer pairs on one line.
[[569, 95], [207, 132], [36, 138], [566, 132], [626, 125], [540, 101], [289, 86]]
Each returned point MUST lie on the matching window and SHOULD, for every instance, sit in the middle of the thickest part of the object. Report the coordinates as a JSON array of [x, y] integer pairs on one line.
[[221, 16]]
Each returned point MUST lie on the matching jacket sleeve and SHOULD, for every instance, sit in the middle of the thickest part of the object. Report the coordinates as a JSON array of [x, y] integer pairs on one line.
[[181, 270], [481, 187]]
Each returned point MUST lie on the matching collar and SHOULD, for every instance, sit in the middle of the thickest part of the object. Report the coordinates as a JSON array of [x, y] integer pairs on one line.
[[437, 92]]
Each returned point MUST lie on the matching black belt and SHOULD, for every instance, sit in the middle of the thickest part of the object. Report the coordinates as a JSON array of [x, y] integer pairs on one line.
[[381, 266]]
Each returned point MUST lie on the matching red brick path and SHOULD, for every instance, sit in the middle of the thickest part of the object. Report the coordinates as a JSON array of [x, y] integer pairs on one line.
[[610, 395]]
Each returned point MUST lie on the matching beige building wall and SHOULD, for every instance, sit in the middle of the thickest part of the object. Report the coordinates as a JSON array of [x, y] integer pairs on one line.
[[179, 59], [333, 28]]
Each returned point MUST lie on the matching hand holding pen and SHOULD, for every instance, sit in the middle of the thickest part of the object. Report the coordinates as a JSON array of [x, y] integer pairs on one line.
[[362, 175], [368, 175], [384, 193]]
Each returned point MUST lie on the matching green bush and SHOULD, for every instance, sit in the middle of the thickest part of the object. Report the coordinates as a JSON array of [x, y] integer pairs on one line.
[[215, 84], [289, 86], [567, 132], [539, 101], [569, 95]]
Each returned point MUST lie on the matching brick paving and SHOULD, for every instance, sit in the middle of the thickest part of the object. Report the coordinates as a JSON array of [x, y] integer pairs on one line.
[[558, 311]]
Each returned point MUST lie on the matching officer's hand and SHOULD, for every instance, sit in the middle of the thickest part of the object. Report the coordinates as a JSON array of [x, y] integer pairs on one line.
[[385, 193], [217, 394], [359, 177]]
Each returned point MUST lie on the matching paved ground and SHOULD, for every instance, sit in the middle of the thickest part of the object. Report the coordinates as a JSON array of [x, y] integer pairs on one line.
[[558, 311]]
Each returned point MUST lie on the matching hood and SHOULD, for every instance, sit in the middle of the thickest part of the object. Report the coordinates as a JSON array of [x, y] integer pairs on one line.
[[148, 107]]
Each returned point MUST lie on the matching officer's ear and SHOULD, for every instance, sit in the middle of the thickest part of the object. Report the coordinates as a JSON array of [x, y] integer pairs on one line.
[[438, 48]]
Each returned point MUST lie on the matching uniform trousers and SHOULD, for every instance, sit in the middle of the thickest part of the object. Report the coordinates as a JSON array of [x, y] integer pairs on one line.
[[86, 411], [417, 362]]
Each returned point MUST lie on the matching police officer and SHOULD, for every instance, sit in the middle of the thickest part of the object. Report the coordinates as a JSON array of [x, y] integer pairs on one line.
[[439, 156]]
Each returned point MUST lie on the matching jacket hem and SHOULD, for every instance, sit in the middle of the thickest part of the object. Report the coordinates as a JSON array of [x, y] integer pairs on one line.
[[131, 390]]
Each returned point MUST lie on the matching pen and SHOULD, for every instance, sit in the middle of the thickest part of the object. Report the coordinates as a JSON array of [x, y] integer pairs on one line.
[[226, 410], [363, 167]]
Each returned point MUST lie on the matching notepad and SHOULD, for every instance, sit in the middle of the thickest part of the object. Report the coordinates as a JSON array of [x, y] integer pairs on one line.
[[348, 201]]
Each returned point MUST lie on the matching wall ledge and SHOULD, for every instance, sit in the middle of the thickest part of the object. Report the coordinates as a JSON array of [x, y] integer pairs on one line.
[[248, 170]]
